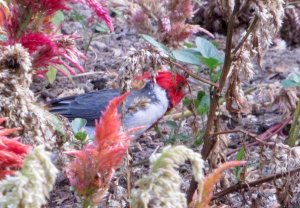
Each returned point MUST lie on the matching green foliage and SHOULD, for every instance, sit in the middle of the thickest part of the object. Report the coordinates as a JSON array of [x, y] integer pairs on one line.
[[188, 56], [209, 50], [293, 80], [101, 27], [173, 137], [78, 17], [202, 103], [58, 18], [57, 124], [199, 139], [78, 125], [240, 155], [51, 74], [205, 53], [157, 45]]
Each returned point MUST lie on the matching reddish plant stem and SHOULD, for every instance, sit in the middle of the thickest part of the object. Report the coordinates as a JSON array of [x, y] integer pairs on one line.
[[189, 72], [212, 119], [208, 142], [245, 185], [267, 134]]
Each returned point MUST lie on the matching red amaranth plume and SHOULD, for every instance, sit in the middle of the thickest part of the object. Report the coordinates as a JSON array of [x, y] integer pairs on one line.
[[58, 51], [29, 22], [101, 12], [91, 170], [12, 152]]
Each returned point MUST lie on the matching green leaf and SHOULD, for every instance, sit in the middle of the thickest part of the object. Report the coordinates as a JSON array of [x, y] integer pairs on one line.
[[293, 80], [172, 124], [101, 28], [156, 44], [58, 18], [187, 56], [216, 76], [182, 137], [78, 17], [211, 63], [51, 74], [208, 50], [81, 136], [199, 139], [202, 103], [186, 101], [240, 155], [77, 124], [57, 124], [189, 45]]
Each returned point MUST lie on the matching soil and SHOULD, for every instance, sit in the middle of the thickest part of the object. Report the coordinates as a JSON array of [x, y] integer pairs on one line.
[[102, 70]]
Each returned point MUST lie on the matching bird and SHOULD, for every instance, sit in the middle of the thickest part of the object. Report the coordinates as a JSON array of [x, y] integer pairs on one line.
[[143, 107]]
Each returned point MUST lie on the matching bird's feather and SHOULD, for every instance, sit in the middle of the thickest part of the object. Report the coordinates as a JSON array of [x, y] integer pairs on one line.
[[151, 103]]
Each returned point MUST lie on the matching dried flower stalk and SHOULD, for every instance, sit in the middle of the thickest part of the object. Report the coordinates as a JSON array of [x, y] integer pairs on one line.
[[17, 100], [265, 24], [30, 186], [161, 187]]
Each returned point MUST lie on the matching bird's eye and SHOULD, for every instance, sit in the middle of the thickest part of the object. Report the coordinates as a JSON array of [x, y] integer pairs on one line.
[[180, 86]]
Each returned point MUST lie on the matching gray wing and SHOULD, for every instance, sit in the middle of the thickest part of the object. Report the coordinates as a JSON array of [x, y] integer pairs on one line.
[[90, 105], [87, 106]]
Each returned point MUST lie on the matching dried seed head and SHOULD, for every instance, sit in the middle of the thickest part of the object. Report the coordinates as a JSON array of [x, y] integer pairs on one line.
[[17, 100], [136, 62], [267, 17], [30, 186], [161, 187], [15, 65]]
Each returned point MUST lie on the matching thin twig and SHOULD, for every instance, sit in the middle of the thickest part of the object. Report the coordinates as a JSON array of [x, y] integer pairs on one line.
[[250, 29], [208, 143], [294, 132], [246, 185], [128, 174], [266, 135], [191, 73]]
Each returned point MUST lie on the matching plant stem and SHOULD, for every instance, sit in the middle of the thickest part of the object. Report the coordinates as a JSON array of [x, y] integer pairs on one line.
[[86, 203], [250, 29], [128, 174], [295, 128], [246, 185], [208, 142], [191, 73], [89, 43], [24, 24]]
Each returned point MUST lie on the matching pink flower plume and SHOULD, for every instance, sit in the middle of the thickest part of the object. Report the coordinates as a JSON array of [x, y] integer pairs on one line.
[[95, 164]]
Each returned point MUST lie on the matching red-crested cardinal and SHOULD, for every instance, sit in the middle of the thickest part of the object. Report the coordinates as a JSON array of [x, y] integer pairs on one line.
[[143, 107]]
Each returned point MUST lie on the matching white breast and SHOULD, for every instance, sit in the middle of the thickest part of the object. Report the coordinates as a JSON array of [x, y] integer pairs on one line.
[[145, 117], [150, 115]]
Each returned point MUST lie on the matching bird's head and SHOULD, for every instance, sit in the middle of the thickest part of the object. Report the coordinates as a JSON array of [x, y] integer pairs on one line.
[[174, 84]]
